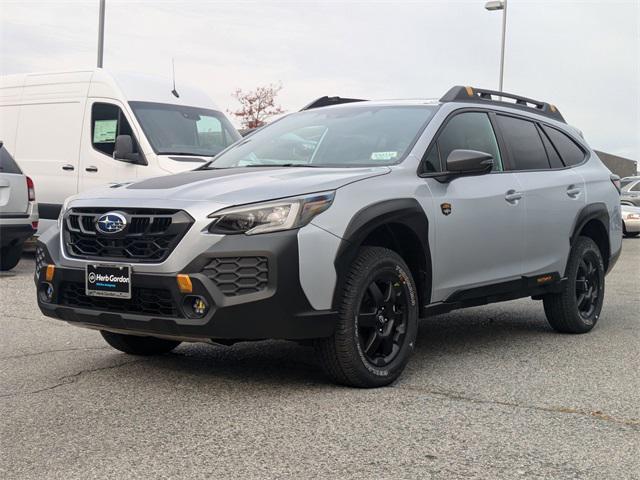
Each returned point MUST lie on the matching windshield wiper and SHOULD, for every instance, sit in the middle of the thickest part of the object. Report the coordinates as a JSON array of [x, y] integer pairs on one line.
[[282, 165], [188, 154]]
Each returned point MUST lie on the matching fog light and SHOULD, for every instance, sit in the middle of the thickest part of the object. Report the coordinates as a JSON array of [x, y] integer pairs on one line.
[[199, 307], [46, 292], [195, 306]]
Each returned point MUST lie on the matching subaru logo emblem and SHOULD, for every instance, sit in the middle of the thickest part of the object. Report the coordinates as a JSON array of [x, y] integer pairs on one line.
[[111, 222]]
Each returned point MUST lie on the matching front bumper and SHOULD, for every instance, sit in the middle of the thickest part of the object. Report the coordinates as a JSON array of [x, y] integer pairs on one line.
[[279, 309]]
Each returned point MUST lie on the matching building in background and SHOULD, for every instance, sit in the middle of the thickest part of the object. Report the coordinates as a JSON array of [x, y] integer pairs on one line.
[[623, 167]]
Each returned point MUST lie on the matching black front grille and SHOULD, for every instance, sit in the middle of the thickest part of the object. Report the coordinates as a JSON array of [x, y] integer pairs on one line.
[[144, 301], [238, 275], [150, 234]]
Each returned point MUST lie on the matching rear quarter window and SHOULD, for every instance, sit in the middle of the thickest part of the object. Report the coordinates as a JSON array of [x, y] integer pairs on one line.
[[570, 153], [7, 163], [526, 150]]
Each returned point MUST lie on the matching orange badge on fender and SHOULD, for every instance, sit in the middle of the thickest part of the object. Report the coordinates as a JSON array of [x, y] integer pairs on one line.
[[446, 208]]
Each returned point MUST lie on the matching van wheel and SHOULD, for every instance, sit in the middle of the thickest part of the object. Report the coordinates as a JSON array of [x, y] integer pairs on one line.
[[135, 345], [10, 256], [577, 308], [377, 325]]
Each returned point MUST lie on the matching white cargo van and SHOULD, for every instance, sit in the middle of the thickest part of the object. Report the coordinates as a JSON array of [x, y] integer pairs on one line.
[[72, 131]]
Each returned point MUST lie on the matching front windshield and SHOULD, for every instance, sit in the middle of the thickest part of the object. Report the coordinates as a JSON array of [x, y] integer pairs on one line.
[[333, 137], [178, 130]]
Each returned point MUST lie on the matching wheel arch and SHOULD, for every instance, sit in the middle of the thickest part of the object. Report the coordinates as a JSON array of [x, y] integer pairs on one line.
[[400, 225], [593, 222]]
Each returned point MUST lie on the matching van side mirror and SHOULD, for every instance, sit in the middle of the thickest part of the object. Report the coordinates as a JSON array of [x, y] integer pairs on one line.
[[123, 149], [469, 162]]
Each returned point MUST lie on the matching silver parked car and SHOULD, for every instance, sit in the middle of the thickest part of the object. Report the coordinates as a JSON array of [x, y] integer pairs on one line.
[[630, 221], [343, 225], [18, 210], [630, 191]]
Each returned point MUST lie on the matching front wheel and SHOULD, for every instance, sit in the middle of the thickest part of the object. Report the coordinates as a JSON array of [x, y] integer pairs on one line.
[[135, 345], [577, 308], [377, 325]]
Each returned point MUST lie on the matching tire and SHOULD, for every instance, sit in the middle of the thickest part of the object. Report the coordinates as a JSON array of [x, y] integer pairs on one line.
[[10, 256], [577, 308], [135, 345], [377, 322]]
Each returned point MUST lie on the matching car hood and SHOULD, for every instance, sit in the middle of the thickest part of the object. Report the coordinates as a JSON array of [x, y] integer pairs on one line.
[[236, 186]]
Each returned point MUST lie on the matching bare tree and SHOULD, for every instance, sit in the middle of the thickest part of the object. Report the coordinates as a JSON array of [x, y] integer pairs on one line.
[[257, 106]]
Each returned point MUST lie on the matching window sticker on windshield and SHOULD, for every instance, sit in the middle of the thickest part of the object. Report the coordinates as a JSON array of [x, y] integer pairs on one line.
[[383, 155], [104, 131]]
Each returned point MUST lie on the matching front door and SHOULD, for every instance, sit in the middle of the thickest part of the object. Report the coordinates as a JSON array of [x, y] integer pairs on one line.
[[97, 165], [479, 220]]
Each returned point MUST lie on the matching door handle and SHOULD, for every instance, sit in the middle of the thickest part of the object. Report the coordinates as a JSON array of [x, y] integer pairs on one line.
[[68, 167], [512, 196], [91, 168], [573, 191]]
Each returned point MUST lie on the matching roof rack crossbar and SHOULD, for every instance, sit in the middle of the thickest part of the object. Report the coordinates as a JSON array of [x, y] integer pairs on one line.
[[327, 101], [472, 94]]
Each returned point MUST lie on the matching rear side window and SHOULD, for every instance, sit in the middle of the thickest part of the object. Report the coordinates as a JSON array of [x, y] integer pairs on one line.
[[107, 122], [526, 151], [466, 131], [7, 163], [571, 153]]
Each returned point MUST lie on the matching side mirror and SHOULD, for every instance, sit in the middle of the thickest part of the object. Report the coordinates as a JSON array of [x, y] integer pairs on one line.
[[123, 149], [469, 162]]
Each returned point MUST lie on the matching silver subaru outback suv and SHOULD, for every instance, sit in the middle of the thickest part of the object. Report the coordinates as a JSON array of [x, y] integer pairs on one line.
[[344, 224]]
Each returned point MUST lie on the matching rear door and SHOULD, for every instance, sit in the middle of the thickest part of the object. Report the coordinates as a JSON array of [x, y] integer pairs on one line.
[[13, 187], [478, 222], [107, 120], [553, 192]]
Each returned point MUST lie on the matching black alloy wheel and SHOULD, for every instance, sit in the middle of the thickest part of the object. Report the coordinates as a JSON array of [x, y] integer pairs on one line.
[[382, 319], [587, 285]]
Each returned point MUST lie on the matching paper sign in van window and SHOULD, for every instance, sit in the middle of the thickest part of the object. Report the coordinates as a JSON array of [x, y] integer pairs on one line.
[[104, 131], [383, 155]]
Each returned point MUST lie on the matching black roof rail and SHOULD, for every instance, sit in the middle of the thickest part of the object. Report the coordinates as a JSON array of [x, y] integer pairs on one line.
[[326, 101], [472, 94]]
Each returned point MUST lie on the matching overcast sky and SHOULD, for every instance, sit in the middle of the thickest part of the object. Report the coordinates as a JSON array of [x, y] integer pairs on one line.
[[583, 56]]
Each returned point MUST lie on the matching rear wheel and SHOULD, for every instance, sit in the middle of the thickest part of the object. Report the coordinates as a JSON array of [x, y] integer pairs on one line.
[[378, 322], [577, 308], [10, 256], [135, 345]]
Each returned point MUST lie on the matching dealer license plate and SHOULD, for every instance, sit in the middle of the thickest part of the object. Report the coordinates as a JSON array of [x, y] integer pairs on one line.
[[108, 281]]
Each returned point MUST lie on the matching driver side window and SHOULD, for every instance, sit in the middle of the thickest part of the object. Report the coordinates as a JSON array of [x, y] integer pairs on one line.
[[465, 131], [107, 122]]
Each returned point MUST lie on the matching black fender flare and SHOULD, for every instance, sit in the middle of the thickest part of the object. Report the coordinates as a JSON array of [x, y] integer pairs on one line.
[[594, 211], [404, 211]]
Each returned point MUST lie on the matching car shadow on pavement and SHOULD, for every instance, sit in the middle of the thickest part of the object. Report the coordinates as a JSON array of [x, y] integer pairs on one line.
[[279, 364]]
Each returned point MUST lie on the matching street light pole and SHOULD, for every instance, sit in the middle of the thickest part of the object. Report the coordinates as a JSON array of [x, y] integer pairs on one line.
[[101, 34], [500, 5]]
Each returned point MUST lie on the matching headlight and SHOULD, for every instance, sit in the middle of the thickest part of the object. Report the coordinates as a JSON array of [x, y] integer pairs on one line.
[[273, 216]]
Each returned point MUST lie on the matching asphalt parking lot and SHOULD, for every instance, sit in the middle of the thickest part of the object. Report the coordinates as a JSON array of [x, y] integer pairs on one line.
[[491, 392]]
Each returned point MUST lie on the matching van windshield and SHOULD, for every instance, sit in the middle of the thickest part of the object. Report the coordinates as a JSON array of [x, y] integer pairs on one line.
[[332, 137], [179, 130]]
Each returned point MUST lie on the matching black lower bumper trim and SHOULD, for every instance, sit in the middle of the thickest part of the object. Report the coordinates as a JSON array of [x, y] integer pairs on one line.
[[281, 311]]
